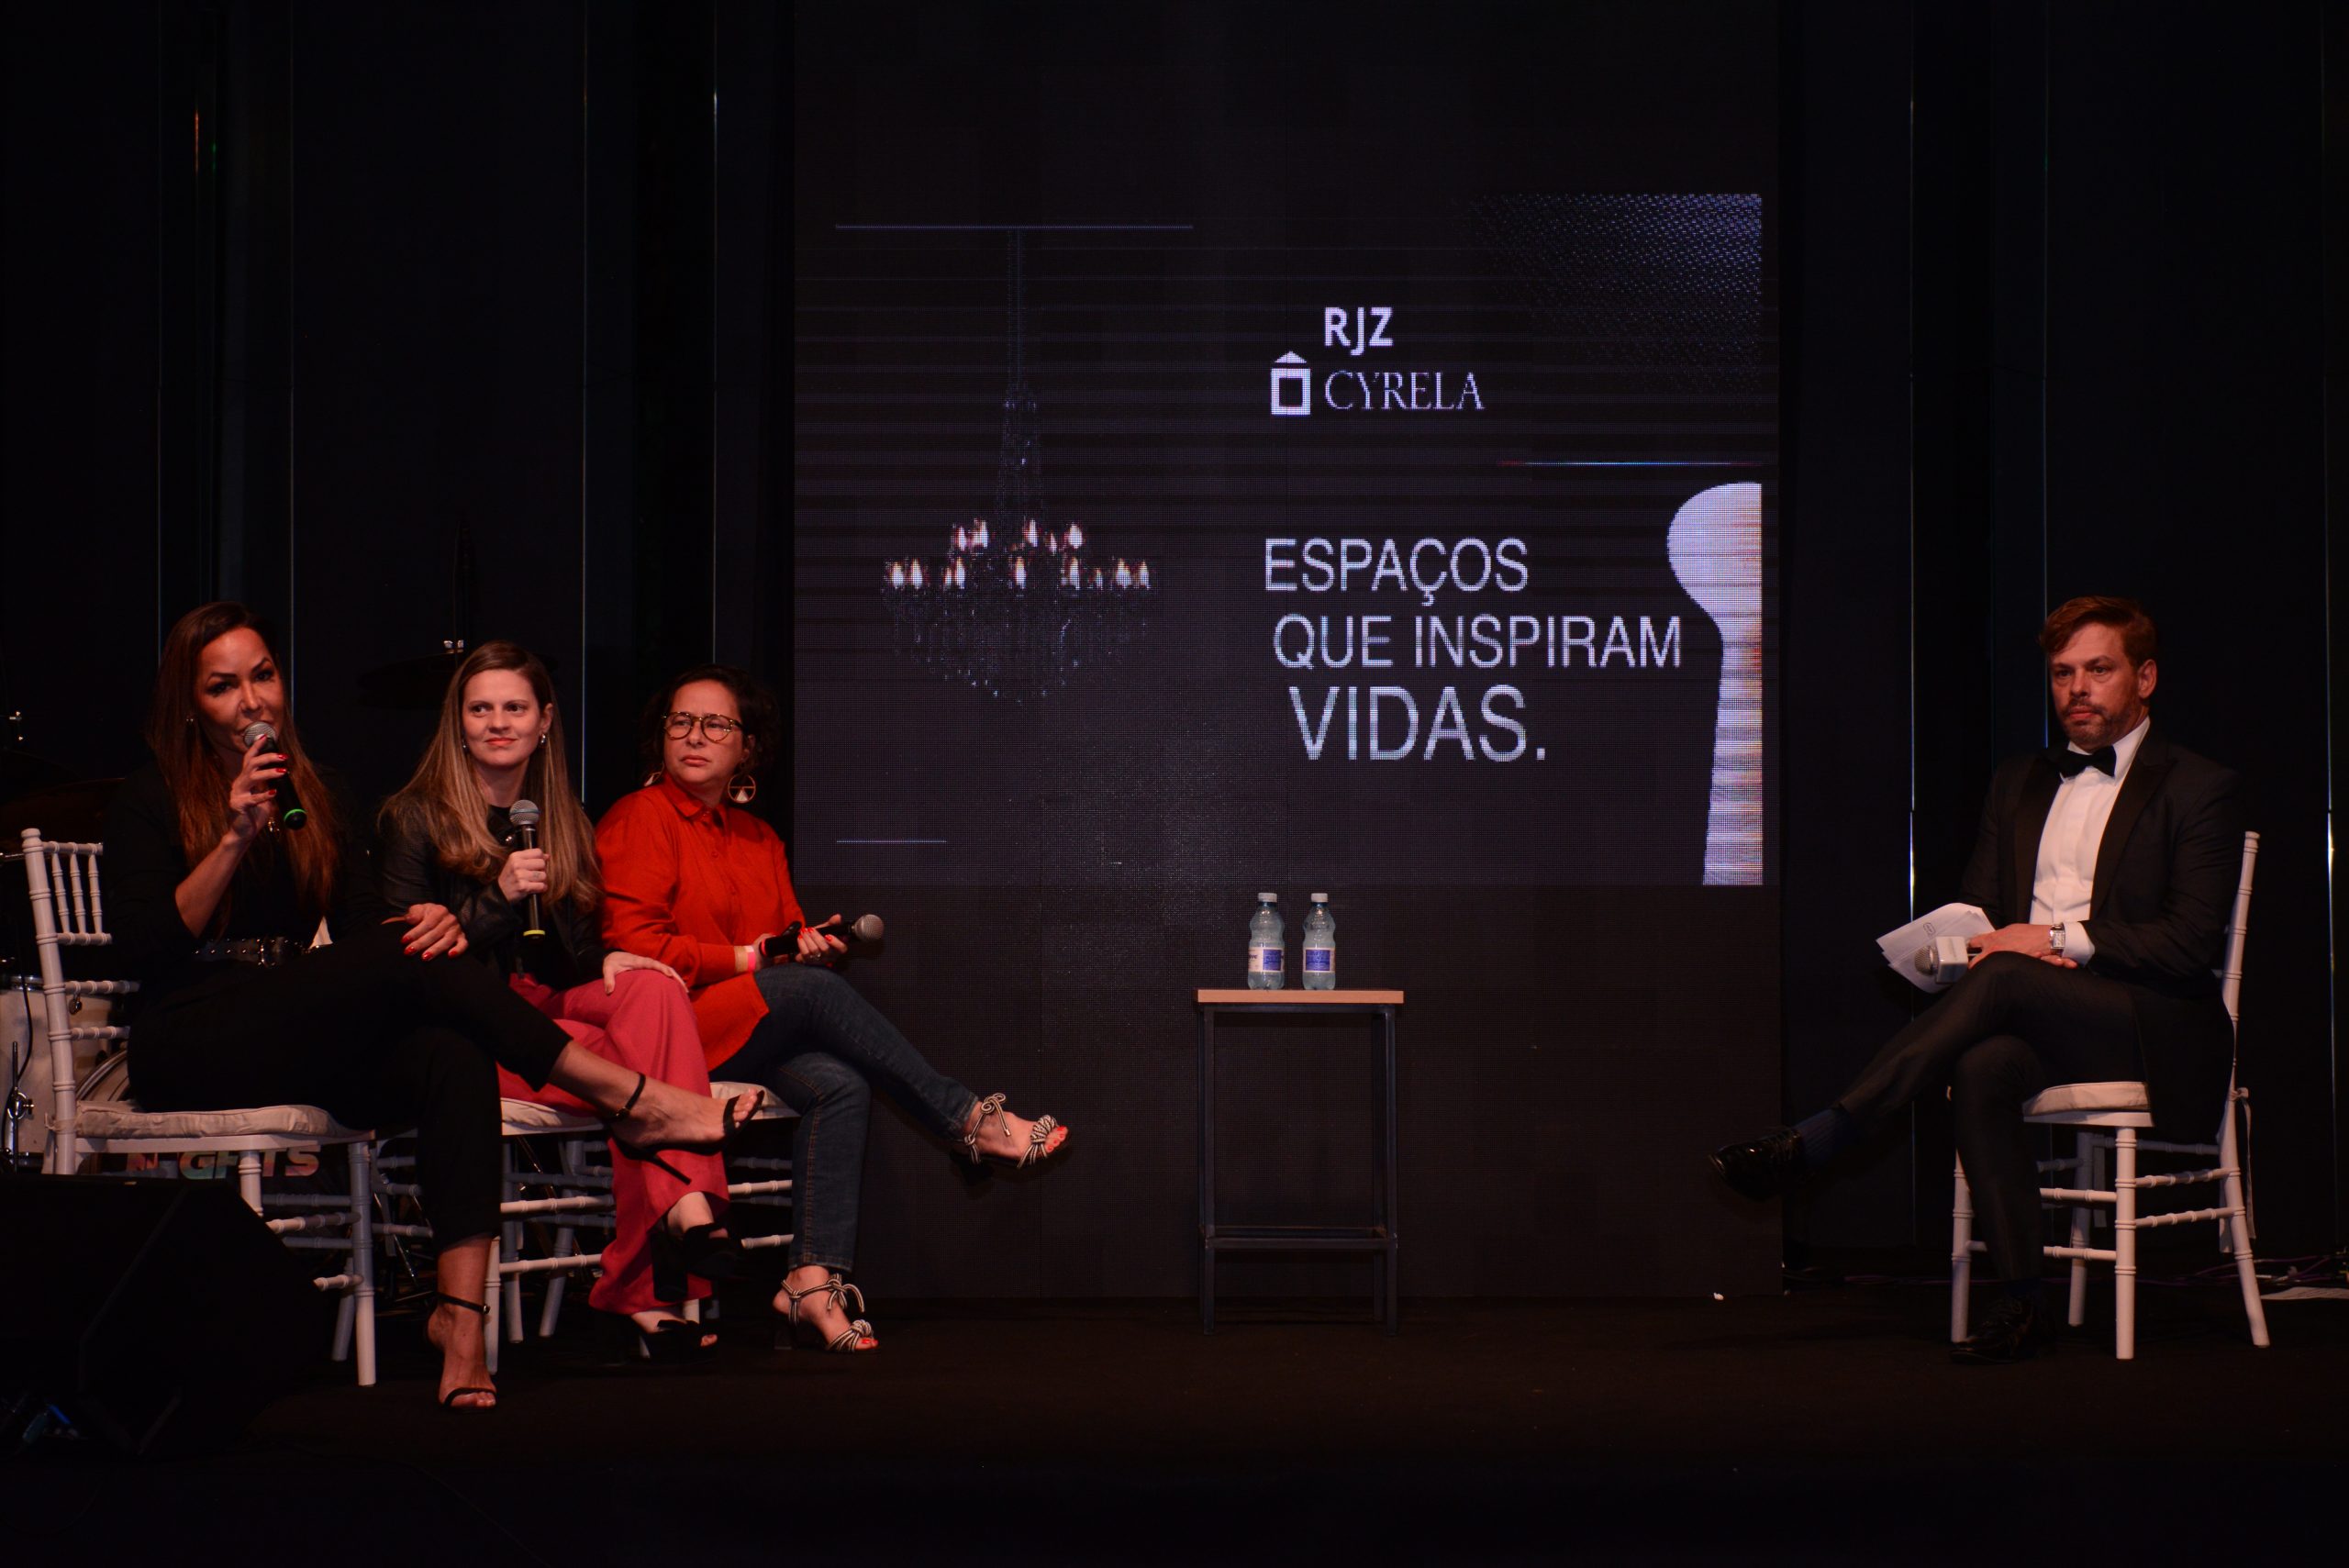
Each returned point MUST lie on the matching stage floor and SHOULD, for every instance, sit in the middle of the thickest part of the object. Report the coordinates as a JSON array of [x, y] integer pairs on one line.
[[1825, 1424]]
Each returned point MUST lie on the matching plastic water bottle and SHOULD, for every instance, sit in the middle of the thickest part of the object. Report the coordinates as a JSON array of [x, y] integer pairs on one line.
[[1266, 944], [1320, 947]]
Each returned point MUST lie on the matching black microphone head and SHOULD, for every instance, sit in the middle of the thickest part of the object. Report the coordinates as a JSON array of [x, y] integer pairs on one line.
[[524, 813], [255, 731], [866, 929]]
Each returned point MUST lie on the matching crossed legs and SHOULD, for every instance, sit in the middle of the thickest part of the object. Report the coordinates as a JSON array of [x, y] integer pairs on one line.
[[2012, 1027], [827, 1051]]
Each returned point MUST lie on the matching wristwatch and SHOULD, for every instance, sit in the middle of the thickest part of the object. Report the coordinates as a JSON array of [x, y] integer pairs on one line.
[[2056, 938]]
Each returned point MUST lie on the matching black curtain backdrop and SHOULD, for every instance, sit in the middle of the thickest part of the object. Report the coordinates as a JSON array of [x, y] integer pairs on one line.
[[289, 292], [2108, 377]]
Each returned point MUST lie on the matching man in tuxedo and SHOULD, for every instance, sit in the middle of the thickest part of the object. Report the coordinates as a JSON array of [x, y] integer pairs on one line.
[[2107, 866]]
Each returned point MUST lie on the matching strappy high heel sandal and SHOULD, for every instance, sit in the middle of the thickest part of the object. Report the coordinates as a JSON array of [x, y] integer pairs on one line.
[[449, 1400], [855, 1338], [738, 1115], [1039, 1136]]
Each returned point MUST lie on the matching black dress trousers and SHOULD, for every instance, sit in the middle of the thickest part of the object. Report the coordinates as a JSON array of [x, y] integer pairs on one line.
[[376, 1037]]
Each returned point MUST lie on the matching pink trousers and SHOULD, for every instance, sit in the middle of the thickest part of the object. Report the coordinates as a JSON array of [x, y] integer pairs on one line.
[[645, 1024]]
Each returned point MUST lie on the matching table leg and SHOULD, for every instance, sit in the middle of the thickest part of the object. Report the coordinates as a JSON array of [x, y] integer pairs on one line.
[[1389, 1217], [1206, 1172]]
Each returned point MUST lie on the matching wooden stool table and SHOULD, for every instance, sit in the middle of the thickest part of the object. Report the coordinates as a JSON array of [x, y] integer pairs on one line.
[[1380, 1239]]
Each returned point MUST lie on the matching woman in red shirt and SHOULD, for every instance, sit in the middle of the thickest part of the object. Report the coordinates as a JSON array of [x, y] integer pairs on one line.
[[699, 885]]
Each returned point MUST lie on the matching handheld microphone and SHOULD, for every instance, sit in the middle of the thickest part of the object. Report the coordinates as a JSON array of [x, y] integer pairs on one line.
[[290, 812], [524, 815], [864, 931], [1946, 962]]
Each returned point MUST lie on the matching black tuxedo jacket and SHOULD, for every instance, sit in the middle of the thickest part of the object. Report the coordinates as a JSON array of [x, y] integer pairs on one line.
[[2166, 872]]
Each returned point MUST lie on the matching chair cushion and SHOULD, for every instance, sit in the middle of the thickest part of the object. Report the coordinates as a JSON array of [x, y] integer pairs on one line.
[[2128, 1096], [123, 1119], [771, 1105], [529, 1116]]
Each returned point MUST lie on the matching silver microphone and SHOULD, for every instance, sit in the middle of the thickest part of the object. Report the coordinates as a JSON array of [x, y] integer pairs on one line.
[[524, 814]]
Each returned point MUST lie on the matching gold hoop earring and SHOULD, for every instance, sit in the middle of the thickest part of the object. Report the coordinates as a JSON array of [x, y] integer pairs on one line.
[[742, 788]]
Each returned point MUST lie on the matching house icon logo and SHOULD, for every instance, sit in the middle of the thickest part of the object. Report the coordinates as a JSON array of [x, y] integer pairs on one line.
[[1292, 386]]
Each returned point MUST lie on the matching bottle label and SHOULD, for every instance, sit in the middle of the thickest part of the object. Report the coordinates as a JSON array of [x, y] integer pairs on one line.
[[1263, 960], [1320, 960]]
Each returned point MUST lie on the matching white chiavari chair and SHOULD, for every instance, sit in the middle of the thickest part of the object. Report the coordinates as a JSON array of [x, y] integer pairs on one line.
[[2106, 1120], [96, 1116], [571, 1194]]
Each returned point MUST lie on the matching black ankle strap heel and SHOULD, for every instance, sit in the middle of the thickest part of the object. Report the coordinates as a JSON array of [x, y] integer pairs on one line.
[[449, 1400]]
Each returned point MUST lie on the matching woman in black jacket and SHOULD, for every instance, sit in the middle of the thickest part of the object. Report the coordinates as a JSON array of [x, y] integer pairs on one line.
[[219, 891]]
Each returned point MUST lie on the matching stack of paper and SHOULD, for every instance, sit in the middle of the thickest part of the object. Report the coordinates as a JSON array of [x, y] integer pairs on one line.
[[1901, 947]]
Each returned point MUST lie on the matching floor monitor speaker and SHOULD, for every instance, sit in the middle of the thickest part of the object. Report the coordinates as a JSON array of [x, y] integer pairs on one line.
[[157, 1316]]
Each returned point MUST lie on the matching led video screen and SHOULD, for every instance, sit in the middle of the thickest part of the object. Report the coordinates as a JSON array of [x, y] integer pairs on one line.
[[1437, 551]]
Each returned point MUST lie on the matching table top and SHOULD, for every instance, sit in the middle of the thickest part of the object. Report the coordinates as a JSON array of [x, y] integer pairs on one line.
[[1294, 997]]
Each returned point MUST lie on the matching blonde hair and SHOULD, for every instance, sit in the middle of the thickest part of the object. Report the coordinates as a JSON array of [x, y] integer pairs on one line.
[[444, 803]]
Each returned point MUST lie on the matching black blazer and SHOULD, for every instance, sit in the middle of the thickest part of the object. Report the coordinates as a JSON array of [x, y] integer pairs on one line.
[[2166, 872]]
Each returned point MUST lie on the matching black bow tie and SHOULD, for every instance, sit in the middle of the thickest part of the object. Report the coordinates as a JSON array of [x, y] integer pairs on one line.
[[2070, 763]]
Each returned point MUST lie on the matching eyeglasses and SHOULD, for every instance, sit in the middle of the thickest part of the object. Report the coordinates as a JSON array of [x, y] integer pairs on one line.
[[714, 726]]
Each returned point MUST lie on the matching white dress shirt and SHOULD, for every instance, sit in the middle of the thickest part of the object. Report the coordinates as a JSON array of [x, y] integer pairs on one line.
[[2065, 879]]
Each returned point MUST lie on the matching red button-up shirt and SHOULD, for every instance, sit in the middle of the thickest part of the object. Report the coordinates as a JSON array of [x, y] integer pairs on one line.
[[688, 883]]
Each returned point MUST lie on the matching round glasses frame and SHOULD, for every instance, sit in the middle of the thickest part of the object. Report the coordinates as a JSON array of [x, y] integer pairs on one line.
[[714, 726]]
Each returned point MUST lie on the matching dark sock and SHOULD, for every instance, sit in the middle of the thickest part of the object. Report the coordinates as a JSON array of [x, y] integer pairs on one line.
[[1826, 1135]]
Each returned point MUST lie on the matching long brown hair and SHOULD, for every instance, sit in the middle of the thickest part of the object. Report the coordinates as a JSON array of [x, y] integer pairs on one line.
[[191, 769], [444, 802]]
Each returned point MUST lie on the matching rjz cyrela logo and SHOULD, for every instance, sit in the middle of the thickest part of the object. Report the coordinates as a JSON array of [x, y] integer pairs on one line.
[[1360, 390]]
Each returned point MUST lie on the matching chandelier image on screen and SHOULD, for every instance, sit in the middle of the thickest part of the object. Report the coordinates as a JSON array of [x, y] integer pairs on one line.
[[1016, 608]]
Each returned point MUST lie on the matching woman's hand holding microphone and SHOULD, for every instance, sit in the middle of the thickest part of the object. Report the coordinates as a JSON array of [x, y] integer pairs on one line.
[[252, 793], [525, 872], [815, 947]]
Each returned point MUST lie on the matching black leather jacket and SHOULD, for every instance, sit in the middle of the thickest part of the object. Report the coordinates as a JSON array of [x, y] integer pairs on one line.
[[411, 871]]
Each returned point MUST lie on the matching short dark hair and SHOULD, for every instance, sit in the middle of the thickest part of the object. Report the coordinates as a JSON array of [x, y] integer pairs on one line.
[[762, 719], [2139, 640]]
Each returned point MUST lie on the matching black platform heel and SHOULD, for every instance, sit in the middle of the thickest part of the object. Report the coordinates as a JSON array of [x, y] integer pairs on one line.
[[674, 1341], [699, 1251]]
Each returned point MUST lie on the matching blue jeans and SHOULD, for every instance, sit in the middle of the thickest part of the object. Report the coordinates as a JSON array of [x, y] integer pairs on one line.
[[824, 1049]]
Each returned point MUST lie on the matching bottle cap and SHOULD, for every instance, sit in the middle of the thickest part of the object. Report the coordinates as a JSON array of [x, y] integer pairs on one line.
[[1320, 898], [1268, 898]]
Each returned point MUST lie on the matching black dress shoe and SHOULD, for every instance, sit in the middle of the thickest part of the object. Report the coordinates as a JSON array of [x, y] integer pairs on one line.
[[1763, 1167], [2012, 1331]]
